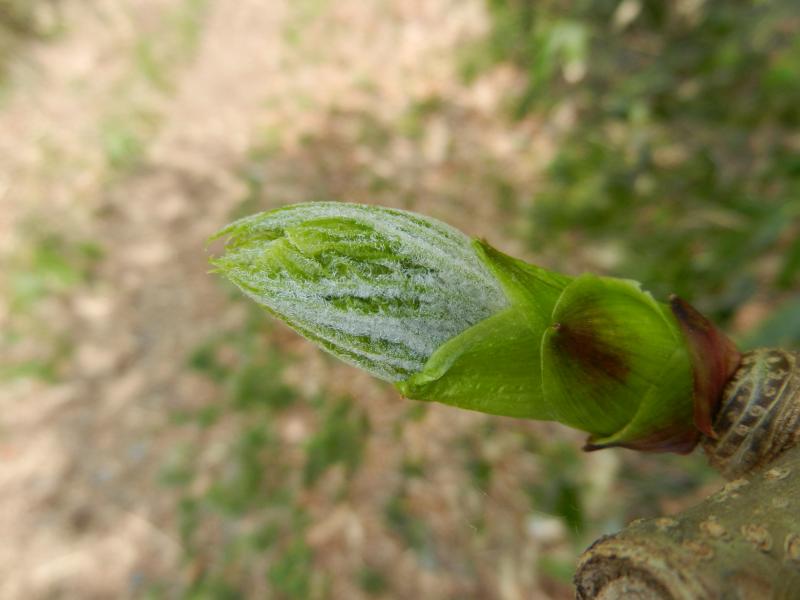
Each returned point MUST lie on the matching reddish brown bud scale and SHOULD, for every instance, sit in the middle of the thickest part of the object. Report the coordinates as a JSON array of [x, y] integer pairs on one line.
[[714, 360], [676, 438]]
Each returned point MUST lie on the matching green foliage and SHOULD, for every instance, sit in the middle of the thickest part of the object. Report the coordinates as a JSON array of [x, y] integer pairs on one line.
[[47, 267], [290, 575], [50, 265], [414, 121], [156, 55], [303, 13], [135, 117], [245, 481], [252, 499], [123, 139], [339, 439], [560, 491], [782, 327], [681, 167], [480, 471], [410, 527], [560, 569], [372, 581]]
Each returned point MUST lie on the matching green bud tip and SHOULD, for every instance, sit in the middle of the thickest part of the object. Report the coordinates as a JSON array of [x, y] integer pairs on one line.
[[415, 302]]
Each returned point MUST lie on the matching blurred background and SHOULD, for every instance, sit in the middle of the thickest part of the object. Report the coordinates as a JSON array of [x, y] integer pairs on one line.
[[160, 437]]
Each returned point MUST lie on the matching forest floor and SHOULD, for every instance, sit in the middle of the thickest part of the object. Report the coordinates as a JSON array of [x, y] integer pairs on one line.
[[161, 438]]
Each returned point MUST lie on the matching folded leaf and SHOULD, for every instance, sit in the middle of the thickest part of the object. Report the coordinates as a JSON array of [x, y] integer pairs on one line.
[[493, 367], [614, 364]]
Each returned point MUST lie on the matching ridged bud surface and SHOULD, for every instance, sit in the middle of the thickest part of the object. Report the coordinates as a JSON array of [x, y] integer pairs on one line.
[[379, 288]]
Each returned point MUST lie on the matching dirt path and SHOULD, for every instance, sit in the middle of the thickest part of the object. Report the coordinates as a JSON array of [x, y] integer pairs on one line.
[[139, 130]]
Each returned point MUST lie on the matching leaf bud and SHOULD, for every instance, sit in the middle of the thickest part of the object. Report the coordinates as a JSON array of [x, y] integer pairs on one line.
[[379, 288], [414, 302]]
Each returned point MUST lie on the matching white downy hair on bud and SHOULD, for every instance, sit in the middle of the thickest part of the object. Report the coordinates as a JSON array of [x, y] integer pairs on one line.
[[379, 288]]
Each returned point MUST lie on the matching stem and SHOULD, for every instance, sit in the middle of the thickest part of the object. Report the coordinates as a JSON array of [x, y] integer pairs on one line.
[[744, 541]]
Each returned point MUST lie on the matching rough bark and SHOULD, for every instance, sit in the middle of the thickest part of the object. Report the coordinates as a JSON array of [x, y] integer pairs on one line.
[[744, 541]]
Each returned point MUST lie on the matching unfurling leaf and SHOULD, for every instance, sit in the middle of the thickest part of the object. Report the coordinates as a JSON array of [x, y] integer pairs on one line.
[[379, 288]]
